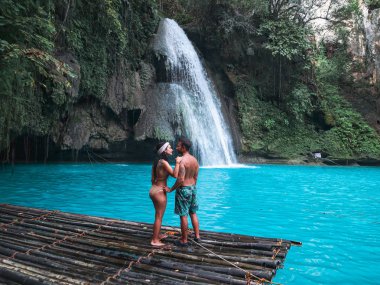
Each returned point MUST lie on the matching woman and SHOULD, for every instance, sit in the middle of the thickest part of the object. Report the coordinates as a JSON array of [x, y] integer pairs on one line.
[[160, 171]]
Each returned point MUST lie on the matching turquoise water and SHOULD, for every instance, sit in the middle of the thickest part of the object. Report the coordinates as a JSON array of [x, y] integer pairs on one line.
[[333, 211]]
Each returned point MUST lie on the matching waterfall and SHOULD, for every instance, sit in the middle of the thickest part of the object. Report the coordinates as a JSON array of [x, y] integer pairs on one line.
[[196, 100]]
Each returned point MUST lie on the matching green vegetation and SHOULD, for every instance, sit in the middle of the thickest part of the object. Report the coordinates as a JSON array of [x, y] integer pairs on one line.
[[33, 81], [310, 121], [268, 130], [105, 37], [290, 91]]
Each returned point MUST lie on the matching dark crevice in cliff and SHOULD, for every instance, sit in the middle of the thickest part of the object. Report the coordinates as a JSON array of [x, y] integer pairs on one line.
[[133, 116]]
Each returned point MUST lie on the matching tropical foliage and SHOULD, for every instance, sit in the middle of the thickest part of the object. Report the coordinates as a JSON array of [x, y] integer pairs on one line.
[[289, 89], [33, 80], [36, 89]]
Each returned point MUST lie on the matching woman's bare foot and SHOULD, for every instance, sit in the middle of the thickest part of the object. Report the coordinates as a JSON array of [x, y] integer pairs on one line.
[[162, 236], [156, 243]]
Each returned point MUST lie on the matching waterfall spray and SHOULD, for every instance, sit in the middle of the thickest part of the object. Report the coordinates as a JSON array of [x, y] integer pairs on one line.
[[197, 99]]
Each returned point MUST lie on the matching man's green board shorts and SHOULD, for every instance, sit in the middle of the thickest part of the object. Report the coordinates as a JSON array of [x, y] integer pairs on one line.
[[186, 200]]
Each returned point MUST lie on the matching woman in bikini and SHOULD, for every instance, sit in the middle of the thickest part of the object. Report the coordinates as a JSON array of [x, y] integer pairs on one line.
[[161, 169]]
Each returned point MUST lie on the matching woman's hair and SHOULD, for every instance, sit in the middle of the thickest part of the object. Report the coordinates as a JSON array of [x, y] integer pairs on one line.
[[163, 156]]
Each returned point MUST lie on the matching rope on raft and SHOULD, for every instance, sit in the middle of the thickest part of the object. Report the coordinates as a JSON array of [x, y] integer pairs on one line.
[[248, 275], [275, 252], [56, 242], [38, 218], [129, 267]]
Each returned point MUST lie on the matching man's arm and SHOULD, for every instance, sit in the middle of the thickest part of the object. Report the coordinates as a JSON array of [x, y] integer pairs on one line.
[[196, 175], [180, 179]]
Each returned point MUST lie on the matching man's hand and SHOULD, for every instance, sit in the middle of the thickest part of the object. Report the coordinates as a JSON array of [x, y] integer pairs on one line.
[[166, 189]]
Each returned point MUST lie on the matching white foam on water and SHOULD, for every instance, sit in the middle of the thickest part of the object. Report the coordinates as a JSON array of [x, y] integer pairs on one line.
[[229, 166]]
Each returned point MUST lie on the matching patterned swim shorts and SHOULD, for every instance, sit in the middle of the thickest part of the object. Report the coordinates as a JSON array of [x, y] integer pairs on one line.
[[186, 200]]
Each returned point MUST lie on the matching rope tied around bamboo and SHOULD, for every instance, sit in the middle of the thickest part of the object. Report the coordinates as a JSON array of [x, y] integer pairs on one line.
[[260, 281], [275, 253], [81, 234], [133, 262], [248, 275], [38, 218], [119, 251]]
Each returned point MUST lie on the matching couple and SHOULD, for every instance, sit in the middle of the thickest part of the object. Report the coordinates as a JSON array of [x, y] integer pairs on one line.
[[186, 171]]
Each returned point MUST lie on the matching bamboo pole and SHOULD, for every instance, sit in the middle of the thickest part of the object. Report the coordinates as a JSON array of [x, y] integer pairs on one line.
[[170, 273], [148, 226], [144, 278], [9, 249], [28, 274], [184, 268], [4, 281], [19, 277], [94, 253], [56, 269], [89, 249], [142, 228], [193, 258]]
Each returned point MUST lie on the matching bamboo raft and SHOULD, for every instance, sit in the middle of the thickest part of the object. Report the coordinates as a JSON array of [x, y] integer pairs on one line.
[[52, 247]]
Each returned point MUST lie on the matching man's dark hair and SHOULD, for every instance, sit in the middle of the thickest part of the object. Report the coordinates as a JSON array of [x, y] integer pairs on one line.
[[185, 142]]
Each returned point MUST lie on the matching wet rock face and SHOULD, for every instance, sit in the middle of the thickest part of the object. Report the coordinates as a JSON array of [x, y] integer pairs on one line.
[[366, 43], [90, 126], [106, 124], [365, 48], [162, 119], [374, 43], [126, 88], [70, 60]]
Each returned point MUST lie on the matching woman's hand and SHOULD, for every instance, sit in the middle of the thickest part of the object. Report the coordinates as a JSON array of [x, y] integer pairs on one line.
[[178, 159]]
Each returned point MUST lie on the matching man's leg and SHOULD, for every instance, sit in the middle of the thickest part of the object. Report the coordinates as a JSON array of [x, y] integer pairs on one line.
[[195, 223], [184, 226]]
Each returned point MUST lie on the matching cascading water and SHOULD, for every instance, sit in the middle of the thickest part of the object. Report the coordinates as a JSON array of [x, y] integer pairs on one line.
[[196, 100]]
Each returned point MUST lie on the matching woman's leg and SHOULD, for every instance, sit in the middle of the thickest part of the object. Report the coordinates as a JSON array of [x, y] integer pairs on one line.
[[159, 201]]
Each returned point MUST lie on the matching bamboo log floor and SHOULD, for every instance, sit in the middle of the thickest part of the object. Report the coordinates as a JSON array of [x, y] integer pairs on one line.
[[52, 247]]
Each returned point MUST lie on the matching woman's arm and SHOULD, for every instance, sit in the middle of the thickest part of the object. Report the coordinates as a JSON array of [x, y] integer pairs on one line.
[[180, 179], [169, 169], [176, 168], [153, 178]]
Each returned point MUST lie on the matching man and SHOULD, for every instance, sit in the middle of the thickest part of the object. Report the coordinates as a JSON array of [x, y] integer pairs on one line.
[[186, 193]]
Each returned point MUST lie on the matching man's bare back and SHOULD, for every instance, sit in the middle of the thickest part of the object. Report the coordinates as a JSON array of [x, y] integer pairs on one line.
[[189, 165]]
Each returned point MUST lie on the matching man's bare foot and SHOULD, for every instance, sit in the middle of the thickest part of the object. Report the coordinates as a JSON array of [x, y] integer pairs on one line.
[[162, 236], [158, 243], [180, 243]]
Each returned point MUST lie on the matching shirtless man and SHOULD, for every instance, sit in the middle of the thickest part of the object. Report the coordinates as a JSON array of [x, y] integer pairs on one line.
[[186, 192]]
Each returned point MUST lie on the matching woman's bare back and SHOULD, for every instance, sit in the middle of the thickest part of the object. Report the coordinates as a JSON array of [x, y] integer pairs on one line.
[[161, 174]]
